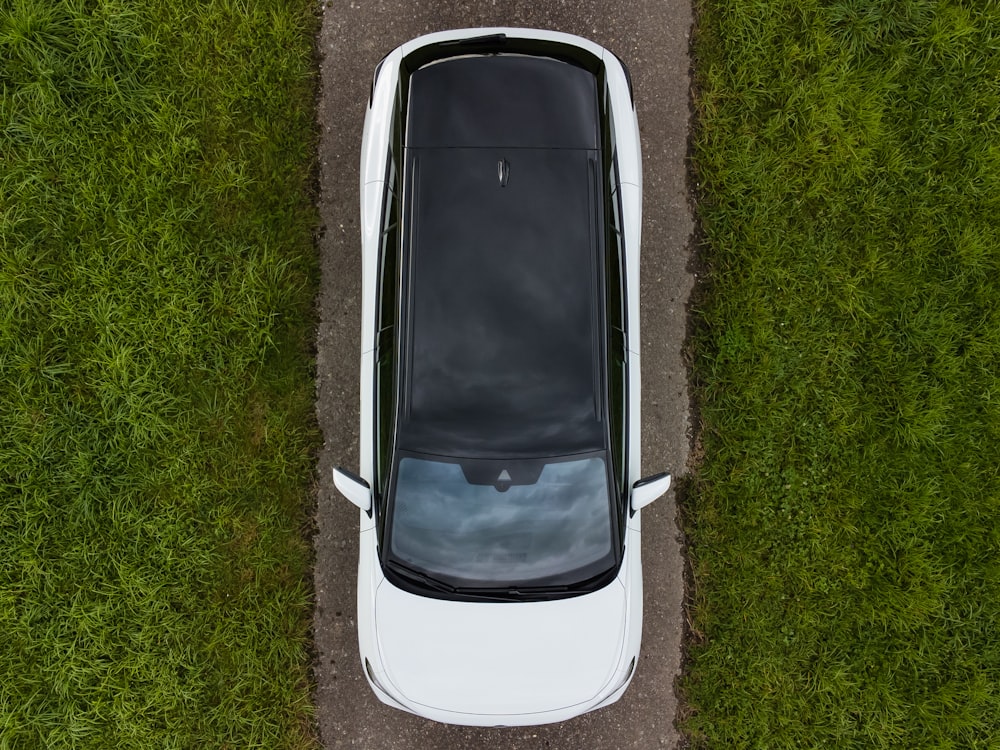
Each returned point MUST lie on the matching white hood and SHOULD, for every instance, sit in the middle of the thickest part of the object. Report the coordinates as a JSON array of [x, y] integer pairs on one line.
[[500, 658]]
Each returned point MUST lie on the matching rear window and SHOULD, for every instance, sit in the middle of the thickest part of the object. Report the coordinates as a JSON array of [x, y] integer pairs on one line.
[[503, 100]]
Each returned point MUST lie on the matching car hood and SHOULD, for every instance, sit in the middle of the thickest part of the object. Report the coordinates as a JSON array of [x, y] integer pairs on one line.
[[500, 658]]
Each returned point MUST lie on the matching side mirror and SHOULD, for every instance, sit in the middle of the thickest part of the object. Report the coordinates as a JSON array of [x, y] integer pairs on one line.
[[647, 490], [354, 488]]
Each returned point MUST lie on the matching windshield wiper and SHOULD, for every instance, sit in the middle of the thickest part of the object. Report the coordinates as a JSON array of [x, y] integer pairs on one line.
[[532, 593], [495, 593], [513, 593], [414, 575], [506, 594]]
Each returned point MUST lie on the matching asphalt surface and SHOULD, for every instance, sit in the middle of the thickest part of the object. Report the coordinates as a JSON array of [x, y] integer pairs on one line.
[[652, 38]]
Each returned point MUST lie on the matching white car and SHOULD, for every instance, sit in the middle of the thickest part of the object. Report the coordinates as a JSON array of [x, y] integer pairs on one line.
[[499, 580]]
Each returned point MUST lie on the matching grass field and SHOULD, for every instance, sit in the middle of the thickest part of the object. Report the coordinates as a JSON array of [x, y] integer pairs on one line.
[[156, 429], [845, 523]]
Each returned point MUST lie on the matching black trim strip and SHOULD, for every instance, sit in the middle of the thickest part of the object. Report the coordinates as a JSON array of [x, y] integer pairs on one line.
[[500, 43], [628, 77]]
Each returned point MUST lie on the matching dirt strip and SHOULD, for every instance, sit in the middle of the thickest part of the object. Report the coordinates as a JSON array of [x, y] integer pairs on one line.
[[652, 38]]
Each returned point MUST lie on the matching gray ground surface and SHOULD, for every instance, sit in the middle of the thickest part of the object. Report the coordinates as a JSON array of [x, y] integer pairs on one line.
[[652, 38]]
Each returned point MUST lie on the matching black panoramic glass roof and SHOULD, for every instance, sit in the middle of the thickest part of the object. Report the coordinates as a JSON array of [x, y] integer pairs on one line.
[[502, 298]]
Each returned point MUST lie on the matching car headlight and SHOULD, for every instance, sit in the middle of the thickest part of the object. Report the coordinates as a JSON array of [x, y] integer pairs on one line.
[[374, 679], [625, 679]]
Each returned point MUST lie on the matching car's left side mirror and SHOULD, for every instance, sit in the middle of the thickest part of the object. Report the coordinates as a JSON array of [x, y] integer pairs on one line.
[[354, 488], [648, 489]]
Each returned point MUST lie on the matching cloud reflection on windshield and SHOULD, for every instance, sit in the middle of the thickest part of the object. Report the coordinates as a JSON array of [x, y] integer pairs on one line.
[[452, 529]]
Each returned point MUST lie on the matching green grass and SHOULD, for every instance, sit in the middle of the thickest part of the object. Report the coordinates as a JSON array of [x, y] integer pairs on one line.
[[157, 277], [845, 521]]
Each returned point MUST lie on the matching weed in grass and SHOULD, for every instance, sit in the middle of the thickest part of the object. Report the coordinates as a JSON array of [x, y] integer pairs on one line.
[[845, 524], [156, 429]]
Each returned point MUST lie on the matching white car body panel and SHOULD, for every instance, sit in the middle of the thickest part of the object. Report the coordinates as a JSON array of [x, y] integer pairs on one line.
[[490, 663], [486, 661], [500, 658]]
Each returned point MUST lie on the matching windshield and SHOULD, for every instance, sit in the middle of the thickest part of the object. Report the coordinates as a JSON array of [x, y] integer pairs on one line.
[[502, 524]]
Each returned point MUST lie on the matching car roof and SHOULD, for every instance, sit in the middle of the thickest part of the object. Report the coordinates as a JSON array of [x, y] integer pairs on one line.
[[502, 298]]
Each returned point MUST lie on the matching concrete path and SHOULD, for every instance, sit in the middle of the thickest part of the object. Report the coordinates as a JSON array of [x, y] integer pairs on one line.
[[652, 38]]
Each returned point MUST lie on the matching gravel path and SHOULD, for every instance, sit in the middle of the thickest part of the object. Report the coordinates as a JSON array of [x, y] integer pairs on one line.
[[652, 38]]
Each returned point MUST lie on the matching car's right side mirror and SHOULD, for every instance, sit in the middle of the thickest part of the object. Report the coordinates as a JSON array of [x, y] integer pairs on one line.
[[648, 489], [354, 488]]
